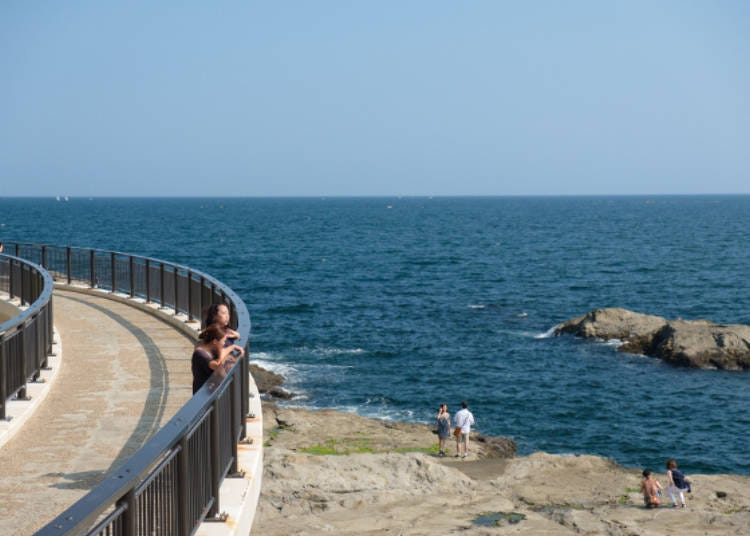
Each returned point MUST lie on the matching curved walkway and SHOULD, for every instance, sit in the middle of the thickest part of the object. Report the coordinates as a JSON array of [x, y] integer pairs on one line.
[[124, 374]]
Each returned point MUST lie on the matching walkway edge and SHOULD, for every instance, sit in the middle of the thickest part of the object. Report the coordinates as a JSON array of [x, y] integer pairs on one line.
[[238, 497], [20, 411]]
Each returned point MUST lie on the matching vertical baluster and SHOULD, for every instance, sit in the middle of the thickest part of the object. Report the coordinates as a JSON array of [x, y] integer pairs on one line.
[[131, 266], [161, 283], [183, 488], [92, 269], [214, 457], [3, 377], [113, 269], [176, 291], [190, 295], [148, 280], [68, 265]]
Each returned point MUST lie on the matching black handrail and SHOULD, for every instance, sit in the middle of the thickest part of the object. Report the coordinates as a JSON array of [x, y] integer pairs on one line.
[[171, 484], [25, 339]]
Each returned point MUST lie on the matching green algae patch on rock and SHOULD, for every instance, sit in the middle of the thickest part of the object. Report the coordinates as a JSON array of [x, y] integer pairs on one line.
[[433, 449], [345, 446], [495, 519]]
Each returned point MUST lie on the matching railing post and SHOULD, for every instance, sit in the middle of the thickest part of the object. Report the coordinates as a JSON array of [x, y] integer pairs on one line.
[[113, 269], [176, 308], [34, 327], [129, 518], [201, 303], [44, 257], [41, 345], [215, 458], [161, 283], [3, 377], [233, 320], [131, 263], [148, 280], [22, 354], [245, 384], [50, 326], [10, 278], [32, 286], [236, 418], [183, 493], [190, 295], [92, 269], [23, 295], [68, 265]]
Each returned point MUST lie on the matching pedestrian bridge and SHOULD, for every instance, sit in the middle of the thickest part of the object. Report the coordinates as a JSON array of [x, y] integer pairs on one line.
[[105, 437]]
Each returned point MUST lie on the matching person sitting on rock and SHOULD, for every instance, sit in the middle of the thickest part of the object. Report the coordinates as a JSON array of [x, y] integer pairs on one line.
[[651, 489]]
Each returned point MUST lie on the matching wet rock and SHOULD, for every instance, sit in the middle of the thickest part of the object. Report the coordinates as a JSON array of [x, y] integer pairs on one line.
[[686, 343], [269, 383]]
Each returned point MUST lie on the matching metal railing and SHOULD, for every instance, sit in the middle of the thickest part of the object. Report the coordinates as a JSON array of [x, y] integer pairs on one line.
[[172, 483], [25, 339]]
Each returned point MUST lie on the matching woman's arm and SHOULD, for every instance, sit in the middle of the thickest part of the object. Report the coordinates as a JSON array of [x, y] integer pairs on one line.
[[232, 334]]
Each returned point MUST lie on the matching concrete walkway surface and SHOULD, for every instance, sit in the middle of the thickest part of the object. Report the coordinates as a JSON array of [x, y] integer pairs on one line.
[[124, 374]]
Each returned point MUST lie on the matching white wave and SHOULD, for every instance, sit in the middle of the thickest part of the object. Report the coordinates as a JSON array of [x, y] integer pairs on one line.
[[477, 306], [613, 342], [547, 334], [522, 315], [372, 412], [265, 356], [330, 350], [267, 361]]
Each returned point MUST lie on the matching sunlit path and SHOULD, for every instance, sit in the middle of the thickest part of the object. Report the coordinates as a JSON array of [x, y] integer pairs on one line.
[[124, 374]]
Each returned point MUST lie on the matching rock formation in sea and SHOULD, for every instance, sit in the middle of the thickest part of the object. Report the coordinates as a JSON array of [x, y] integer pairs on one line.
[[687, 343], [269, 383]]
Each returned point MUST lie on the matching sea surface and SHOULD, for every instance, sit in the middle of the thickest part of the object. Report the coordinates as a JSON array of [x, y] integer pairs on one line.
[[390, 306]]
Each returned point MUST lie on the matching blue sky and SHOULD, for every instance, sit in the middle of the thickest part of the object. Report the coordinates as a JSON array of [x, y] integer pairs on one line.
[[374, 98]]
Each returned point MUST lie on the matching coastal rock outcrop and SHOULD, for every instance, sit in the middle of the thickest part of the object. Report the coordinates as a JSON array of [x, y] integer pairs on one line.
[[686, 343], [328, 472], [269, 383]]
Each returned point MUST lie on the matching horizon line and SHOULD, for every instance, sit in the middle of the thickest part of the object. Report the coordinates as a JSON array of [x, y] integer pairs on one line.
[[366, 196]]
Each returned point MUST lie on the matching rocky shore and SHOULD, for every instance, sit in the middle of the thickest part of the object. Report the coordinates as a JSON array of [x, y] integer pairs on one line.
[[329, 472], [687, 343]]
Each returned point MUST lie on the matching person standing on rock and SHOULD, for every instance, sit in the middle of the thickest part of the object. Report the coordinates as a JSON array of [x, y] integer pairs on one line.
[[444, 427], [676, 483], [463, 420]]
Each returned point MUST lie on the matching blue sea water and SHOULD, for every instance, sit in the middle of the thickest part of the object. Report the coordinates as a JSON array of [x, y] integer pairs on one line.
[[390, 306]]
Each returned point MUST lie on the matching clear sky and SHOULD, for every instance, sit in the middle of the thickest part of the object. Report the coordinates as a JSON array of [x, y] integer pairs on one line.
[[322, 98]]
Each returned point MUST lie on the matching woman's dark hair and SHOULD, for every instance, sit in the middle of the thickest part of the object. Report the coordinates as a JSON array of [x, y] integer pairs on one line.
[[214, 332], [212, 312], [646, 473]]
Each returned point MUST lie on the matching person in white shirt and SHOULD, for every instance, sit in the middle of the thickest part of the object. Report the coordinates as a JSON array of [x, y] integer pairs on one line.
[[463, 420]]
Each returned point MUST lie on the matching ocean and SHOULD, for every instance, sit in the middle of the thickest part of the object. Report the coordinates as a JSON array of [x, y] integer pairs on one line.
[[390, 306]]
